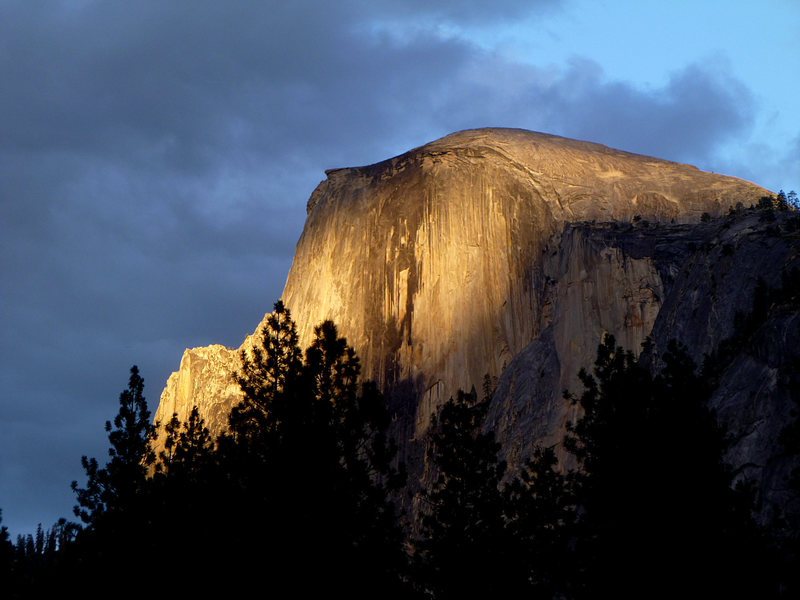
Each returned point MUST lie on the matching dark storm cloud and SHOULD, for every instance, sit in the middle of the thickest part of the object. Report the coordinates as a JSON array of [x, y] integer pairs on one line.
[[178, 83], [687, 119], [698, 109], [776, 168], [156, 158]]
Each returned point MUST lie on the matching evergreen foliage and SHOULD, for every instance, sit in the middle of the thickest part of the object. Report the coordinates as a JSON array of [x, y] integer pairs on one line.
[[115, 486], [35, 566], [119, 532], [541, 516], [652, 510], [462, 520], [296, 499], [6, 552], [781, 202], [658, 510], [318, 460], [268, 378], [187, 450]]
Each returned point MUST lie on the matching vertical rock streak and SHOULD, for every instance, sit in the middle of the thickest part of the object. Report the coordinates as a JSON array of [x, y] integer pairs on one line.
[[449, 261]]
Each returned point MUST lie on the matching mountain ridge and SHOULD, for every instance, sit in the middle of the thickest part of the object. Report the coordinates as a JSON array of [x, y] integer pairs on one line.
[[432, 265]]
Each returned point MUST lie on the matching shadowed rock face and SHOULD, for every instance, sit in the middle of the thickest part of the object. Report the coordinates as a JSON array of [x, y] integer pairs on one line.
[[431, 263], [662, 281], [445, 263]]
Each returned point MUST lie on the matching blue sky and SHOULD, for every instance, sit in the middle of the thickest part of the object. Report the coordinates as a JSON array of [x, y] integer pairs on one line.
[[156, 159]]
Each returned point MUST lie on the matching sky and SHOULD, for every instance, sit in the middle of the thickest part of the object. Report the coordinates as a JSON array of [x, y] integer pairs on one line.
[[156, 158]]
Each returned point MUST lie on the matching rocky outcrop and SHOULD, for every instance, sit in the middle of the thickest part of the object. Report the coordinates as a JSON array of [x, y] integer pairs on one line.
[[203, 379], [431, 262], [452, 261], [594, 285], [694, 283]]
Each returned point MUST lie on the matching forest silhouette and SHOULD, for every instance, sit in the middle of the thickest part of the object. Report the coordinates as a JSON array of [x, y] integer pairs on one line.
[[300, 496]]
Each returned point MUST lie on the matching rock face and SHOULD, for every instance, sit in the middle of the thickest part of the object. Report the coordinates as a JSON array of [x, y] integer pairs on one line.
[[203, 379], [430, 263], [457, 259], [692, 283]]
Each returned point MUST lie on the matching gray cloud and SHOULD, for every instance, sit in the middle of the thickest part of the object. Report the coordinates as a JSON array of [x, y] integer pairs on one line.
[[776, 168], [698, 110], [156, 158]]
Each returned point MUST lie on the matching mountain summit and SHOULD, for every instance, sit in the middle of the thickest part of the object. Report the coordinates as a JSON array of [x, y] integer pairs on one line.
[[462, 257]]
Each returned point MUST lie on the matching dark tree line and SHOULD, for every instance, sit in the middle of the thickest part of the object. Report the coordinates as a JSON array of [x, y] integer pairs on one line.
[[297, 498], [659, 509], [308, 450], [652, 511], [293, 501]]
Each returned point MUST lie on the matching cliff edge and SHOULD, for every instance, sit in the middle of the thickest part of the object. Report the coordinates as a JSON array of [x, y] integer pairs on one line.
[[438, 266]]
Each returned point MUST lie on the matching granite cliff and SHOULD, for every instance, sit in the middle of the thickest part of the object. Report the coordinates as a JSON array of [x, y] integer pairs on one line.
[[481, 253], [654, 282]]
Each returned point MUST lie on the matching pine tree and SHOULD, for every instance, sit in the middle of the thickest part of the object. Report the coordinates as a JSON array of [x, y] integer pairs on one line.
[[268, 377], [540, 518], [462, 544], [115, 486], [6, 552], [309, 458], [188, 447], [38, 547], [659, 514], [116, 505]]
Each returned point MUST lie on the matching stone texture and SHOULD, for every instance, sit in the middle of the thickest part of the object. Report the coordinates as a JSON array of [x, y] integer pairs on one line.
[[447, 262], [593, 287], [205, 378], [431, 262], [684, 282]]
